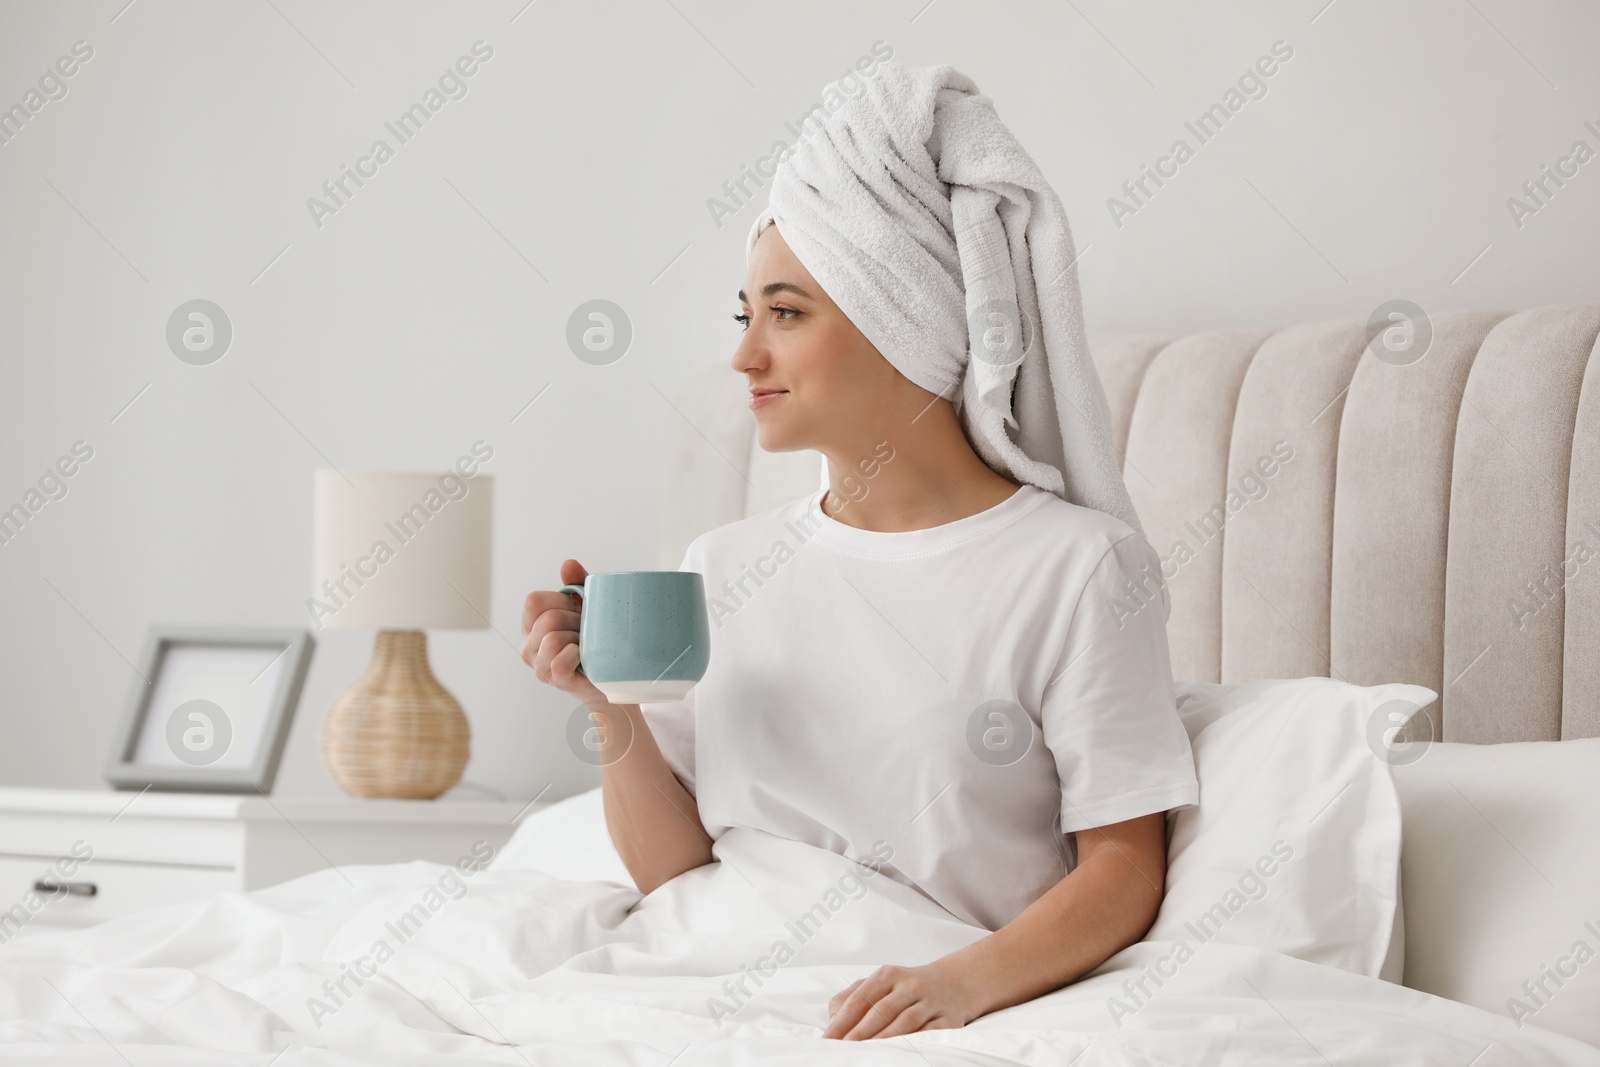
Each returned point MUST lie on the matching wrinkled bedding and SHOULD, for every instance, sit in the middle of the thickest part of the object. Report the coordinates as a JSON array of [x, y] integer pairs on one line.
[[735, 962]]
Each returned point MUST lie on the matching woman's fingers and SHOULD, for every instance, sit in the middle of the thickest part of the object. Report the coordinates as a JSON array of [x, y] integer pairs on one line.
[[839, 997], [572, 572], [875, 1021], [555, 619], [892, 1001], [555, 660], [858, 1003], [550, 626], [552, 644], [564, 659], [851, 1008], [540, 601], [917, 1016], [532, 649]]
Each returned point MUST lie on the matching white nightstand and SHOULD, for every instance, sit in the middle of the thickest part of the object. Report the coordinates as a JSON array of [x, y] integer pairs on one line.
[[154, 848]]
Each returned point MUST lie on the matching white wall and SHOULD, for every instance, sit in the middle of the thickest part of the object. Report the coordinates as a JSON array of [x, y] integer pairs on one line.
[[178, 165]]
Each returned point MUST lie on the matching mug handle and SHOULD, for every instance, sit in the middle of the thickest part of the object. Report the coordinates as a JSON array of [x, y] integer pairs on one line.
[[578, 591]]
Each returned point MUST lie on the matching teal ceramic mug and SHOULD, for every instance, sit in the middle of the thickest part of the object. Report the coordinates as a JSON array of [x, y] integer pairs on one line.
[[643, 635]]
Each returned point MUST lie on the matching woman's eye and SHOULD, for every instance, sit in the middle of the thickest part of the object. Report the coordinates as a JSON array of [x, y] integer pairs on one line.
[[783, 315]]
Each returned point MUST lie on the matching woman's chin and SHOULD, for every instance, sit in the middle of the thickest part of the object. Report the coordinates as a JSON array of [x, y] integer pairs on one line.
[[776, 439]]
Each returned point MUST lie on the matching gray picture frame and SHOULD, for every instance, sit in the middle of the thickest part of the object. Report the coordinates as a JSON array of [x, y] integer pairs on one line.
[[122, 769]]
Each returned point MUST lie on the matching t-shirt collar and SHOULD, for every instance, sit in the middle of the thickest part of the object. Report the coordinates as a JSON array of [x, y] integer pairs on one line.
[[894, 544]]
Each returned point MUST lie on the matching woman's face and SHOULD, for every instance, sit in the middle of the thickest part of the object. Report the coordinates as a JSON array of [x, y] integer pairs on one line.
[[830, 389]]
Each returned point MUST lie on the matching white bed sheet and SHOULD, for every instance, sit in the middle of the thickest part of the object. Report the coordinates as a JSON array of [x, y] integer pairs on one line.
[[588, 972], [568, 839]]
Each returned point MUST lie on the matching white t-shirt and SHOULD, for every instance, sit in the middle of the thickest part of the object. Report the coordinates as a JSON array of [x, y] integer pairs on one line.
[[958, 697]]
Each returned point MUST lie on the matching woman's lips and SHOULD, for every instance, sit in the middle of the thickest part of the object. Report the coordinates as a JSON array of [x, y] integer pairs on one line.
[[761, 399]]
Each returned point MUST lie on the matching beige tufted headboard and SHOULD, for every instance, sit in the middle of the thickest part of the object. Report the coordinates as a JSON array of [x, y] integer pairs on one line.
[[1322, 511]]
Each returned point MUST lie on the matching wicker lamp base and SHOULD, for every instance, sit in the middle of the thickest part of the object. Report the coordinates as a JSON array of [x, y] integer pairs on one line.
[[396, 732]]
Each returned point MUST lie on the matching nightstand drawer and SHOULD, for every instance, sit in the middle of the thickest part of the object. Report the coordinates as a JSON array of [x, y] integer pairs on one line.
[[187, 842], [118, 888], [151, 849]]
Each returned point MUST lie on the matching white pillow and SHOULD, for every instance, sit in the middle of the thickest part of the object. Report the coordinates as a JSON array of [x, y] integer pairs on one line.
[[1295, 845], [1502, 879], [568, 840]]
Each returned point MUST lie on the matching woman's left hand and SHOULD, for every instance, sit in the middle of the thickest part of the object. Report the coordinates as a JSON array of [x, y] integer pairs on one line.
[[900, 1000]]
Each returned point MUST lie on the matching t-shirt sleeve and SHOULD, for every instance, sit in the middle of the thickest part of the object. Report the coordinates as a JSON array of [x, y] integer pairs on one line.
[[671, 722], [1109, 713]]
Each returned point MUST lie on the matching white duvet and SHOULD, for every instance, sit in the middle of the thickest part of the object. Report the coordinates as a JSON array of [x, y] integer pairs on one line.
[[728, 964]]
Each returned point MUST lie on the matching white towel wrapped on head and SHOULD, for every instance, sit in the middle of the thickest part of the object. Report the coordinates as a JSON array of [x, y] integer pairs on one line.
[[923, 218]]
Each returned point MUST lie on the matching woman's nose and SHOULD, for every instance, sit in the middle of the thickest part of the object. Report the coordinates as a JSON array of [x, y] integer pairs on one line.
[[749, 354]]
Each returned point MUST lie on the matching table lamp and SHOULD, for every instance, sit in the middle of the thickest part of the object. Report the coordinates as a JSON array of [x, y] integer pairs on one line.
[[399, 553]]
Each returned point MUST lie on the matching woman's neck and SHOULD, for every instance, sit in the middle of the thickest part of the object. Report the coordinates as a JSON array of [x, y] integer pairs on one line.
[[925, 479]]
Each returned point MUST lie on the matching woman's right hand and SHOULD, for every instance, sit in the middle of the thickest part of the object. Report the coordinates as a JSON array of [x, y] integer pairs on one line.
[[653, 821], [550, 637]]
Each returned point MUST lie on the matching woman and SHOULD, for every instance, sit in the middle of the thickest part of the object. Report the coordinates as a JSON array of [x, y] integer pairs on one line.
[[949, 661]]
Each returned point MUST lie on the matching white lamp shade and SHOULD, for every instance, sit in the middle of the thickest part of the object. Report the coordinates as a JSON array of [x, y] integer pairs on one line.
[[400, 551]]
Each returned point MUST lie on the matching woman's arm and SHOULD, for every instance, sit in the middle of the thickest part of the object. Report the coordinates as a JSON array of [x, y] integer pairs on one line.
[[653, 821], [1104, 905]]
